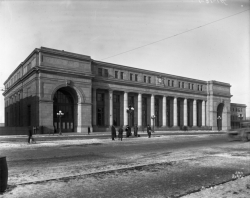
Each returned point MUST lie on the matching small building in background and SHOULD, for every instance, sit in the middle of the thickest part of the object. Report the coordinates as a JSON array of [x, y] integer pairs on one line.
[[238, 114]]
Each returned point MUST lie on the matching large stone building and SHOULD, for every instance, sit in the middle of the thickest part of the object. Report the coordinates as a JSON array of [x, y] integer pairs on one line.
[[97, 94]]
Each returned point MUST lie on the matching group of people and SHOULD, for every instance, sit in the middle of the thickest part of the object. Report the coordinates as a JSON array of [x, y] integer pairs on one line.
[[128, 132]]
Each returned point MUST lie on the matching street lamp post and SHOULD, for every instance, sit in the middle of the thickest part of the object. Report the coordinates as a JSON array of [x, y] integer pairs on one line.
[[60, 114], [153, 118], [130, 109], [219, 123], [240, 118]]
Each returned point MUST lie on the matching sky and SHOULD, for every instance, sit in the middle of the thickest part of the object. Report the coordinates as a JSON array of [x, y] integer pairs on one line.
[[200, 39]]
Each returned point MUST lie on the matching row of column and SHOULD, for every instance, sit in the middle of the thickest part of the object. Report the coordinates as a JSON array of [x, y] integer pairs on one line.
[[152, 110]]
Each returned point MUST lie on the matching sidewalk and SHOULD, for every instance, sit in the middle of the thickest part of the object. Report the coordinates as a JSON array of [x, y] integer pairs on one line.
[[100, 135]]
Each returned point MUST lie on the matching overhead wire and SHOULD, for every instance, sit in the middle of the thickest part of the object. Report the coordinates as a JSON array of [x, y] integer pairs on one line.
[[174, 35]]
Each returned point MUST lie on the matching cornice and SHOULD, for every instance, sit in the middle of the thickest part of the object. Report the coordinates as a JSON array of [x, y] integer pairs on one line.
[[65, 54]]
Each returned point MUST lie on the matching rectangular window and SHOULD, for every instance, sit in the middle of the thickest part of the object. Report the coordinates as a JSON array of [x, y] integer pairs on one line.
[[192, 86], [116, 74], [168, 82], [106, 73], [198, 87], [116, 98], [121, 75], [145, 78], [149, 79], [100, 97], [131, 77], [179, 84], [189, 86], [99, 71], [172, 83], [136, 77], [183, 85], [201, 87]]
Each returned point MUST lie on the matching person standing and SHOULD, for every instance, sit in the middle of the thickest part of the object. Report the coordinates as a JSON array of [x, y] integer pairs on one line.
[[136, 130], [120, 136], [149, 131], [127, 131], [113, 132]]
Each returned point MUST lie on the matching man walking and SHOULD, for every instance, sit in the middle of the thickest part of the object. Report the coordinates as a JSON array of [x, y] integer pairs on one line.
[[113, 132], [120, 136], [149, 131]]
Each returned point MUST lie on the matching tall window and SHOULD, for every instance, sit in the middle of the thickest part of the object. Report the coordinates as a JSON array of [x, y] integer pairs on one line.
[[201, 87], [145, 78], [116, 74], [99, 71], [131, 77], [189, 86], [198, 87], [149, 79], [183, 85], [136, 77], [192, 86], [179, 84], [172, 83], [106, 74], [169, 82], [121, 75]]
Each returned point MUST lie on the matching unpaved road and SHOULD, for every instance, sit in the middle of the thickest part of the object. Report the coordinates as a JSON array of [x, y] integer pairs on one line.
[[165, 166]]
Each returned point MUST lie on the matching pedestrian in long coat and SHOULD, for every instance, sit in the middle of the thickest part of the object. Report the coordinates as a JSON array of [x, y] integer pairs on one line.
[[120, 136], [113, 132], [30, 133], [149, 131], [127, 131], [136, 130]]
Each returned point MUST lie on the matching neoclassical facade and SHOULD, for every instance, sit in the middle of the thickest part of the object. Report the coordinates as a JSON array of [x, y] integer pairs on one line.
[[97, 94]]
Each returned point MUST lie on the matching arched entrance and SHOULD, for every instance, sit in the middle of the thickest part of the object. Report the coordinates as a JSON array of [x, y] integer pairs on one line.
[[64, 101], [219, 116]]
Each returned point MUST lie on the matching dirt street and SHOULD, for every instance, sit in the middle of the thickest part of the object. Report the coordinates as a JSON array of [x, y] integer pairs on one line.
[[163, 166]]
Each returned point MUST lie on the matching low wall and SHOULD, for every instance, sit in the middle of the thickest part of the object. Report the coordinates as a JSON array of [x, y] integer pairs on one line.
[[14, 130]]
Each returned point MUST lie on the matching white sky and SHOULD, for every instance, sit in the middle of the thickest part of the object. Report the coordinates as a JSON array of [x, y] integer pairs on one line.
[[219, 50]]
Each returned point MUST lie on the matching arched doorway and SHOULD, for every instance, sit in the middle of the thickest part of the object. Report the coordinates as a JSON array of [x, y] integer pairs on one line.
[[64, 101], [219, 116]]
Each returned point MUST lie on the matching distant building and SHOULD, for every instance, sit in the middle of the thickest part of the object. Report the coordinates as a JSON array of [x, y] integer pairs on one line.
[[238, 114], [97, 94]]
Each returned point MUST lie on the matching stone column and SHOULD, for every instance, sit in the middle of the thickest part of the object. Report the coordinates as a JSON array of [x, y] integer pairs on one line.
[[139, 110], [152, 108], [194, 114], [125, 102], [94, 107], [185, 112], [175, 111], [110, 107], [164, 112], [203, 113]]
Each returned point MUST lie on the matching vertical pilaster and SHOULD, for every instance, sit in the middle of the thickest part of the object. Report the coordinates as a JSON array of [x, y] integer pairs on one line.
[[164, 112], [194, 113], [185, 112], [152, 108], [139, 110], [175, 111], [94, 107], [110, 107], [125, 103], [203, 113]]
